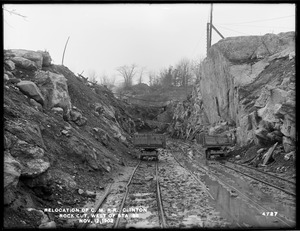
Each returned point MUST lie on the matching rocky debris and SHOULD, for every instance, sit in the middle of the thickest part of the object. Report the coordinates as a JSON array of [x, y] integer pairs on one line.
[[31, 90], [13, 81], [290, 155], [101, 136]]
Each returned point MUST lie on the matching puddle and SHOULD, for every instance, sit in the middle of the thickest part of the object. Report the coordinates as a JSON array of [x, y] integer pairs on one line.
[[238, 209]]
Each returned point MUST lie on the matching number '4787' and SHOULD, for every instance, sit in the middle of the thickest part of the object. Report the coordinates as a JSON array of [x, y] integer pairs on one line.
[[270, 214]]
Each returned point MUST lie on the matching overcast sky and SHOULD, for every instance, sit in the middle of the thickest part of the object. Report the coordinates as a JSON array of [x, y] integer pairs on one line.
[[106, 36]]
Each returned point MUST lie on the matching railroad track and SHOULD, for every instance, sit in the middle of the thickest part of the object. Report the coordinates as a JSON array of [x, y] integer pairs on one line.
[[143, 191], [255, 204], [202, 184], [283, 185], [266, 173]]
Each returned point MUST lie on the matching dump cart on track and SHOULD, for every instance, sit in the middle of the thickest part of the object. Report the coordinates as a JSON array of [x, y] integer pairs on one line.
[[214, 145], [148, 144]]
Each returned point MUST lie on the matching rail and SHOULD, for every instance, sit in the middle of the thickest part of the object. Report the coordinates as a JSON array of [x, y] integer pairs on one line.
[[262, 181], [256, 205], [161, 215]]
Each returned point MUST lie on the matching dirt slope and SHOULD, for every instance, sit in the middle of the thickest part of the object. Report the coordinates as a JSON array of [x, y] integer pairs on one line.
[[49, 157]]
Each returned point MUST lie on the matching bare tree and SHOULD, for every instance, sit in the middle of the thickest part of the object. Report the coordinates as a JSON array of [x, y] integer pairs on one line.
[[154, 79], [93, 76], [127, 73], [184, 72], [141, 74], [109, 82]]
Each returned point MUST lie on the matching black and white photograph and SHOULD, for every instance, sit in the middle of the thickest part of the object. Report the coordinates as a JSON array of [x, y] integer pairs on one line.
[[149, 115]]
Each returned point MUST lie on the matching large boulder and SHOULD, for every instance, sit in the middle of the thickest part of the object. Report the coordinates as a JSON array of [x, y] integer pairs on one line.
[[23, 130], [31, 90], [35, 57], [24, 63], [10, 64], [31, 157], [55, 89], [11, 174]]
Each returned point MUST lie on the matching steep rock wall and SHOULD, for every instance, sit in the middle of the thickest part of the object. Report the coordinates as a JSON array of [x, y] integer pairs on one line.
[[248, 82]]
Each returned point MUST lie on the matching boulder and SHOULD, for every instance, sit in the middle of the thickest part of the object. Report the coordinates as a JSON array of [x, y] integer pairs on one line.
[[11, 174], [48, 225], [46, 58], [82, 121], [12, 170], [275, 136], [75, 115], [57, 109], [26, 131], [32, 158], [36, 105], [10, 64], [24, 63], [31, 90], [33, 56], [35, 167], [55, 89], [101, 136], [288, 144], [290, 155], [5, 77]]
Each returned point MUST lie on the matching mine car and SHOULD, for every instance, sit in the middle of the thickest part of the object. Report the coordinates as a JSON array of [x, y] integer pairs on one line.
[[214, 144], [148, 144]]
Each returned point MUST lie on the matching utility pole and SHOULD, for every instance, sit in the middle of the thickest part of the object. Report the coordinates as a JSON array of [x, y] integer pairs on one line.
[[209, 28], [209, 31], [207, 38], [210, 24]]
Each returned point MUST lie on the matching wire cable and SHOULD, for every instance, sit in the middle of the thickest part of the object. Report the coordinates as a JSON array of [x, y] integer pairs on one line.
[[270, 19]]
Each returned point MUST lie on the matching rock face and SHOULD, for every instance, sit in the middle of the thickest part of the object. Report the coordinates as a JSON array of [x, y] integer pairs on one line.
[[249, 82]]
